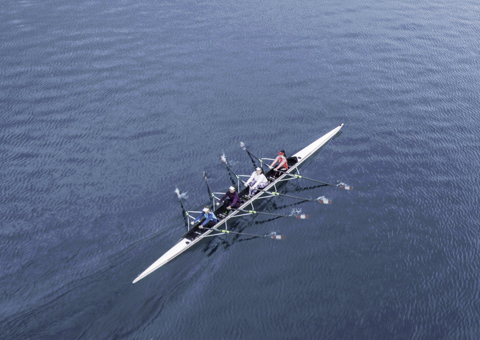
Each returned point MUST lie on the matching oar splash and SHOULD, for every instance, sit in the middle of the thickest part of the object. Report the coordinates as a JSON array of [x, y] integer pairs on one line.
[[181, 196], [298, 214], [224, 161]]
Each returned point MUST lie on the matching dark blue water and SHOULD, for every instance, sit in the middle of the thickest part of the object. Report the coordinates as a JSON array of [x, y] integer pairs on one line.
[[107, 107]]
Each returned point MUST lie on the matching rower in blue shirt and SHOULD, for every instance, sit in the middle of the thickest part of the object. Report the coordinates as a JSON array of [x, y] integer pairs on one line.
[[210, 218]]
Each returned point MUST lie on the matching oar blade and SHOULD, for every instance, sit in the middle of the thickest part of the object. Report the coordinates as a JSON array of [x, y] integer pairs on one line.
[[303, 216], [345, 186], [324, 200], [273, 235]]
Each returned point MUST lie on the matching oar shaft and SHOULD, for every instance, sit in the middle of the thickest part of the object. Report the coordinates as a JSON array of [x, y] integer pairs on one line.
[[184, 211], [252, 155], [230, 169], [312, 180], [224, 231], [205, 177], [183, 207], [232, 232], [291, 196], [242, 145], [251, 158], [265, 213]]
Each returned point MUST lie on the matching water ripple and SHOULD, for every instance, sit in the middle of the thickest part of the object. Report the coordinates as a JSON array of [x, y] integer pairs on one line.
[[106, 108]]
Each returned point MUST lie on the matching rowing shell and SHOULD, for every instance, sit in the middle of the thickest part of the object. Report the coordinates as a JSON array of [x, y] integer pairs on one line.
[[195, 235]]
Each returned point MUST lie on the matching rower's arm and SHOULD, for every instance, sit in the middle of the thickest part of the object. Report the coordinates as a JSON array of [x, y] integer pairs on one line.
[[264, 179], [209, 217], [235, 199], [275, 161], [250, 179], [281, 163]]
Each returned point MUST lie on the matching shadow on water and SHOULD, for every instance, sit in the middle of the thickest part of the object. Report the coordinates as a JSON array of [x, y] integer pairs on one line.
[[212, 244]]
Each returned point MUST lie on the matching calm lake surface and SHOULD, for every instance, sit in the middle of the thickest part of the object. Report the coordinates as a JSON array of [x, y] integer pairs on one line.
[[107, 107]]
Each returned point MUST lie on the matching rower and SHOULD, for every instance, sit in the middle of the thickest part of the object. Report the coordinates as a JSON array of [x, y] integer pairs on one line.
[[256, 181], [210, 218], [230, 199], [282, 164]]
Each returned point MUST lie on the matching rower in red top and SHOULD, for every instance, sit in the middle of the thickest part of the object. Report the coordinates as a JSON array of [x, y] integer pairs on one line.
[[282, 164]]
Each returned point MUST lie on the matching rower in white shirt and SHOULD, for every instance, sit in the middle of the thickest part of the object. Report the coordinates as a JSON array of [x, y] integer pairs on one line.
[[256, 181]]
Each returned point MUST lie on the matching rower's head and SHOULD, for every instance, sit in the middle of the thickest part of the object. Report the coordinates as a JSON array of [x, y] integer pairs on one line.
[[281, 153], [206, 209], [232, 189], [258, 170]]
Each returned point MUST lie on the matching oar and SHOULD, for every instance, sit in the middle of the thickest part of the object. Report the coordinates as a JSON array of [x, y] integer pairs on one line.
[[302, 216], [340, 185], [184, 211], [320, 199], [224, 160], [244, 148], [242, 145], [273, 235], [205, 177]]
